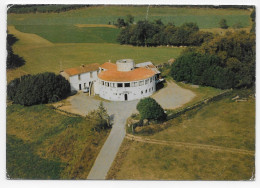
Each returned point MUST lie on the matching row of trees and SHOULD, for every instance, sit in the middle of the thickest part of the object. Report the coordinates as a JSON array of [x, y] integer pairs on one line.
[[146, 33], [13, 60], [21, 9], [38, 89], [223, 62]]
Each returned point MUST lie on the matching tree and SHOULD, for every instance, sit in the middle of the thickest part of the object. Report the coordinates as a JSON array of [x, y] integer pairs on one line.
[[129, 19], [223, 24], [38, 89], [150, 109], [100, 117], [12, 60]]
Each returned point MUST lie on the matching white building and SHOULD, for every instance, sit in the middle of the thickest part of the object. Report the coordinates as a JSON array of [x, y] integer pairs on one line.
[[81, 77], [123, 81]]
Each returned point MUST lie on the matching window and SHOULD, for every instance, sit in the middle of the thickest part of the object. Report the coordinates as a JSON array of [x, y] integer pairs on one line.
[[152, 88], [78, 76], [145, 91], [146, 81], [149, 89], [119, 85], [141, 83], [127, 84], [102, 82], [107, 84], [135, 84], [142, 92], [112, 84], [151, 79], [91, 76], [132, 84], [84, 85]]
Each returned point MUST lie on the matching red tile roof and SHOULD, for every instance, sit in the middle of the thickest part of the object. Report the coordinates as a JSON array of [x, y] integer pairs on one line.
[[109, 66], [82, 69], [119, 76]]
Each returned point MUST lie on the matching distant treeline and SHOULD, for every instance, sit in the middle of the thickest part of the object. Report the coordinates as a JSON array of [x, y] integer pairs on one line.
[[146, 33], [20, 9]]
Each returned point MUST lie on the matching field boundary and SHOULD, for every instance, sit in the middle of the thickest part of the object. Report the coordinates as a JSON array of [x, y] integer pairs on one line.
[[189, 145], [198, 104]]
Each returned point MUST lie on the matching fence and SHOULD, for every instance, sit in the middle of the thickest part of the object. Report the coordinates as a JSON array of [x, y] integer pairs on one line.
[[198, 104]]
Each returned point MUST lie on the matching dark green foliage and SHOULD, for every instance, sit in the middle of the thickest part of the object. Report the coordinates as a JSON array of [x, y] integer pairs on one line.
[[223, 62], [20, 9], [150, 109], [203, 70], [23, 163], [252, 16], [146, 33], [120, 23], [38, 89], [13, 60], [223, 24]]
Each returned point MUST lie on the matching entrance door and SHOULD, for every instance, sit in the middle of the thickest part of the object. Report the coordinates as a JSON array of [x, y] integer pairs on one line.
[[125, 97], [79, 86]]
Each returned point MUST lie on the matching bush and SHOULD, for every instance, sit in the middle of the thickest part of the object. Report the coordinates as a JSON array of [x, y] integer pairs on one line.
[[38, 89], [150, 109], [100, 117]]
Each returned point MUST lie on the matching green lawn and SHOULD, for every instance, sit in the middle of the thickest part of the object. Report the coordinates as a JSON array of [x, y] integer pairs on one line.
[[49, 145], [224, 123]]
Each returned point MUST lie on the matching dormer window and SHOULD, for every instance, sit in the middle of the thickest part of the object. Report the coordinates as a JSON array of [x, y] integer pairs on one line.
[[79, 76]]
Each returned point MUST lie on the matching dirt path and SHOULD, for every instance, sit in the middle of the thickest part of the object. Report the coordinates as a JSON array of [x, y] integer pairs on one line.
[[190, 145]]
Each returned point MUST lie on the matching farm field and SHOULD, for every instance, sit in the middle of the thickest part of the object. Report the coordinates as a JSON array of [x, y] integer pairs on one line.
[[61, 27], [225, 124], [50, 145], [41, 55]]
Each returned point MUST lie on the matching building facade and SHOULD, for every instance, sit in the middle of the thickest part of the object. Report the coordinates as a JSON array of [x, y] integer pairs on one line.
[[120, 81]]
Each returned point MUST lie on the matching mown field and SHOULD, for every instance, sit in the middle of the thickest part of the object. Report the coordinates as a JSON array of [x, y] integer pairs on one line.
[[225, 123], [42, 55], [44, 144], [60, 27]]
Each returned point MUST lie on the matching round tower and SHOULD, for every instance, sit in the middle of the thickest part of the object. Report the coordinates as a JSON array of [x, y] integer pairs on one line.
[[125, 65]]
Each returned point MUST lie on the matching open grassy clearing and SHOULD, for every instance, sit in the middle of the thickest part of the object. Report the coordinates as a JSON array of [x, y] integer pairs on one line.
[[204, 17], [48, 57], [142, 161], [72, 33], [50, 145], [224, 123]]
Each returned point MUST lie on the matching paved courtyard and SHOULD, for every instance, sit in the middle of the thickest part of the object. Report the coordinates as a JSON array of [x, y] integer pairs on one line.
[[169, 97]]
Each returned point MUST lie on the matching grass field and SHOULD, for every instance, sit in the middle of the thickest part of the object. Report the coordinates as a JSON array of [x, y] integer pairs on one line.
[[224, 123], [204, 17], [42, 55], [50, 145], [62, 27]]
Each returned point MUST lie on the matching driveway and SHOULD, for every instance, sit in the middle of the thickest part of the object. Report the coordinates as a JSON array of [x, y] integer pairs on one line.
[[173, 96], [170, 97]]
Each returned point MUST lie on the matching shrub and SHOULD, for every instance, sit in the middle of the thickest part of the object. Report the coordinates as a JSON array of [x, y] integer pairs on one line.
[[100, 117], [38, 89], [150, 109]]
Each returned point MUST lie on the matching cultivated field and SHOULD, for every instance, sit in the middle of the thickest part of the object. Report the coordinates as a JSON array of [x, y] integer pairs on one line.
[[216, 142]]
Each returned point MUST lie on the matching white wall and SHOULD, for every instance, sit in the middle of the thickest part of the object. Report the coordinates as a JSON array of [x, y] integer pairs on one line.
[[132, 92], [84, 80]]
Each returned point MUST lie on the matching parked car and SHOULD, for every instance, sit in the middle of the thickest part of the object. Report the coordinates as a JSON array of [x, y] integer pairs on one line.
[[85, 90]]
